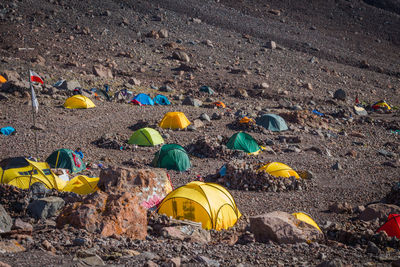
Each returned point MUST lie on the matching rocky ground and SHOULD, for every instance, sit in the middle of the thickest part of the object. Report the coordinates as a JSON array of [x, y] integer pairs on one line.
[[283, 57]]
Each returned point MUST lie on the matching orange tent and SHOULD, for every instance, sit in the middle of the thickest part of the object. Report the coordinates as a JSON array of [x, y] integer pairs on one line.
[[220, 104], [2, 79], [391, 226], [246, 120]]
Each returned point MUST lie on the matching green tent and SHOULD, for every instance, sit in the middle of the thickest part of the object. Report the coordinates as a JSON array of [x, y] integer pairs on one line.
[[272, 122], [146, 137], [243, 141], [172, 157], [66, 159]]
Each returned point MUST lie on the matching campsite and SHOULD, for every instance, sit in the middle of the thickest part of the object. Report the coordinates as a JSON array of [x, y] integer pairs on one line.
[[199, 133]]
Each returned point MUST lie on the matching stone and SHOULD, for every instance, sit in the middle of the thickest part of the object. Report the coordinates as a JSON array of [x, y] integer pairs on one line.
[[67, 85], [264, 85], [378, 211], [181, 56], [150, 263], [48, 246], [331, 263], [198, 123], [340, 207], [38, 127], [21, 225], [5, 220], [173, 262], [187, 233], [207, 261], [3, 264], [119, 207], [163, 33], [372, 248], [242, 93], [102, 71], [10, 246], [283, 228], [134, 81], [93, 261], [360, 111], [205, 117], [271, 45], [46, 207], [340, 94], [337, 166], [39, 190], [166, 88], [190, 101]]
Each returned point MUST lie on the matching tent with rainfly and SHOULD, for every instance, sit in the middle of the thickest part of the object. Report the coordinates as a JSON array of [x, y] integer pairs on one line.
[[82, 185], [66, 159], [144, 99], [172, 157], [272, 122], [161, 100], [174, 120], [391, 226], [301, 216], [208, 203], [278, 169], [22, 173], [79, 101], [146, 137], [243, 141]]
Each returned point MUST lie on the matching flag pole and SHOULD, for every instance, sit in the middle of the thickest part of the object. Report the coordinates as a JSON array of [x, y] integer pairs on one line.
[[34, 118]]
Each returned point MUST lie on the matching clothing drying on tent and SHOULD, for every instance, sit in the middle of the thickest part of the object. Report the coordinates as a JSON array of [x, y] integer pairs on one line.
[[391, 226], [82, 185], [207, 203], [172, 157], [22, 173], [144, 99], [174, 120], [7, 130], [135, 102], [272, 122], [146, 137], [219, 104], [278, 169], [381, 104], [161, 100], [243, 141], [207, 89], [66, 159], [307, 219], [79, 101]]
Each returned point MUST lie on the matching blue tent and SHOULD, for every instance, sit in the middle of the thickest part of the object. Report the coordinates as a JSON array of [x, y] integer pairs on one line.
[[7, 130], [272, 122], [161, 100], [144, 99]]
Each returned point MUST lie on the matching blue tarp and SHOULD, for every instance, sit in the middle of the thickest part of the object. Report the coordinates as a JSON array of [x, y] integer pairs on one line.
[[161, 100], [7, 130], [144, 99]]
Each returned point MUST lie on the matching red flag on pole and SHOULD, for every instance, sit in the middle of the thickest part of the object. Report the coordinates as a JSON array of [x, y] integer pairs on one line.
[[35, 77]]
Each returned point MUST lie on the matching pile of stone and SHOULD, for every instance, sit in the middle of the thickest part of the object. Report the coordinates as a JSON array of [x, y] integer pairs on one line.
[[244, 176], [248, 127], [304, 117], [112, 142], [208, 147]]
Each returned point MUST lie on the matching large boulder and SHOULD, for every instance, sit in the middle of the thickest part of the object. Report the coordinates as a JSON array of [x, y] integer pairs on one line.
[[67, 85], [5, 220], [102, 72], [46, 207], [283, 228], [378, 211], [187, 233], [119, 207]]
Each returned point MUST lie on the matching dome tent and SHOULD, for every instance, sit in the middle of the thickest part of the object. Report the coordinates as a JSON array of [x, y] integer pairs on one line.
[[172, 157], [306, 218], [208, 203], [79, 101], [243, 141], [66, 159], [391, 226], [146, 137], [161, 100], [272, 122], [174, 120], [278, 169], [144, 99]]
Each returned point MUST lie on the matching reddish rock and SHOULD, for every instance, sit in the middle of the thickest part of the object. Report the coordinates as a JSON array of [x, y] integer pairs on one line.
[[120, 209]]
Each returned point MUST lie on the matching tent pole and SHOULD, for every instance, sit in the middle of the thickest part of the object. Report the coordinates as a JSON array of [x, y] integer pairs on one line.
[[34, 119]]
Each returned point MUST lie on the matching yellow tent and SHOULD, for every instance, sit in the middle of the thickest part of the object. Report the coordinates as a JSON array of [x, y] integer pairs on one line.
[[2, 79], [79, 101], [82, 185], [174, 120], [208, 203], [21, 172], [278, 169], [306, 218]]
